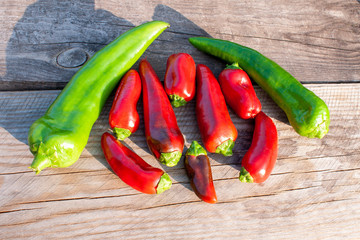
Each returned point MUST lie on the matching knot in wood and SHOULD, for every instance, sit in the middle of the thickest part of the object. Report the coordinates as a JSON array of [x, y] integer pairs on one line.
[[72, 58]]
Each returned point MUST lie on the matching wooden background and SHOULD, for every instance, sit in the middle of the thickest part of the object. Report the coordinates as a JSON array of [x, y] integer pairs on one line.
[[314, 191]]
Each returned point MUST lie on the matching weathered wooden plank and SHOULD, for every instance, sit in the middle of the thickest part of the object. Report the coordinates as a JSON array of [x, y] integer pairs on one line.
[[314, 184], [315, 41]]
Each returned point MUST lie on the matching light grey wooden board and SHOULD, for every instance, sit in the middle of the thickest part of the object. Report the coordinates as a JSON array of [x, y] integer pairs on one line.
[[313, 192], [316, 41]]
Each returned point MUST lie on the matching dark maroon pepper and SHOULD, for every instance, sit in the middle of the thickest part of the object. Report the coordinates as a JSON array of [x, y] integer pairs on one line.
[[217, 131], [198, 168], [162, 133]]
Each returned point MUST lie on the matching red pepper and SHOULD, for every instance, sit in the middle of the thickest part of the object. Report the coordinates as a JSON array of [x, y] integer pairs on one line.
[[218, 132], [132, 169], [260, 159], [198, 168], [124, 118], [162, 133], [239, 92], [179, 80]]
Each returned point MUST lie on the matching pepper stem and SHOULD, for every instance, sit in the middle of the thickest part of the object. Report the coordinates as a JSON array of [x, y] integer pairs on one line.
[[164, 183], [196, 149], [245, 176], [233, 66], [39, 163], [177, 101], [170, 159], [225, 148], [121, 133]]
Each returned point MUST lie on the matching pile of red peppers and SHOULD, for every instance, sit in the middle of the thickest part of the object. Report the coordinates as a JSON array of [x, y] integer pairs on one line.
[[60, 135], [183, 82]]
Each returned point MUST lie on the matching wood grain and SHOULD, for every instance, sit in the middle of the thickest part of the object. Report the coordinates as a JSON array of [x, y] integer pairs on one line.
[[314, 184], [313, 192], [317, 42]]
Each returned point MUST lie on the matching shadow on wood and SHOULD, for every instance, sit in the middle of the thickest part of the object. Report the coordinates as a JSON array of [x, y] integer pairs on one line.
[[53, 39]]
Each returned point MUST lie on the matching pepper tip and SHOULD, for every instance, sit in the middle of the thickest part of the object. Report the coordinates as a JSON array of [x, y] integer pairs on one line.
[[37, 171], [39, 163]]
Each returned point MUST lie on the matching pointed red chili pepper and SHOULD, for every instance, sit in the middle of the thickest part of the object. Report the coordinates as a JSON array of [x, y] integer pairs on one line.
[[179, 80], [163, 135], [218, 132], [124, 118], [239, 92], [198, 168], [259, 160], [132, 169]]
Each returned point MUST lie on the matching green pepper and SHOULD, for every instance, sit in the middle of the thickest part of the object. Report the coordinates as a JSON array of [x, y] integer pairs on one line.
[[306, 112], [58, 138]]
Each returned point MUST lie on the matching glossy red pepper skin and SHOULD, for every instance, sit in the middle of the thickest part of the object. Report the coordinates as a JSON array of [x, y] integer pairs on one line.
[[124, 118], [259, 160], [132, 169], [217, 131], [239, 92], [198, 169], [163, 136], [179, 80]]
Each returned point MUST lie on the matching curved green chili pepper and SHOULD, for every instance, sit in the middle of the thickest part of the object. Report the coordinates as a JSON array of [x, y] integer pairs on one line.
[[58, 138], [307, 113]]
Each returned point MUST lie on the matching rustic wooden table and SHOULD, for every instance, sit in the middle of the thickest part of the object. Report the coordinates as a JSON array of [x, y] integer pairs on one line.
[[314, 191]]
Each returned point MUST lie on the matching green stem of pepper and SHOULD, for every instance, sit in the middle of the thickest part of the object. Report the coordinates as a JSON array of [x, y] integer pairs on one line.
[[170, 159], [196, 149], [177, 101], [245, 176], [233, 66], [226, 148], [121, 133], [164, 183]]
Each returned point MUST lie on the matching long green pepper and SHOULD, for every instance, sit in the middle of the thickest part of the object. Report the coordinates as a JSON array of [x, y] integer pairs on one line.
[[58, 138], [307, 113]]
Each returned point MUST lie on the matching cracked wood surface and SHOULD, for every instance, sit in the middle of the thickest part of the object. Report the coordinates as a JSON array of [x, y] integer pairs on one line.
[[313, 192]]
